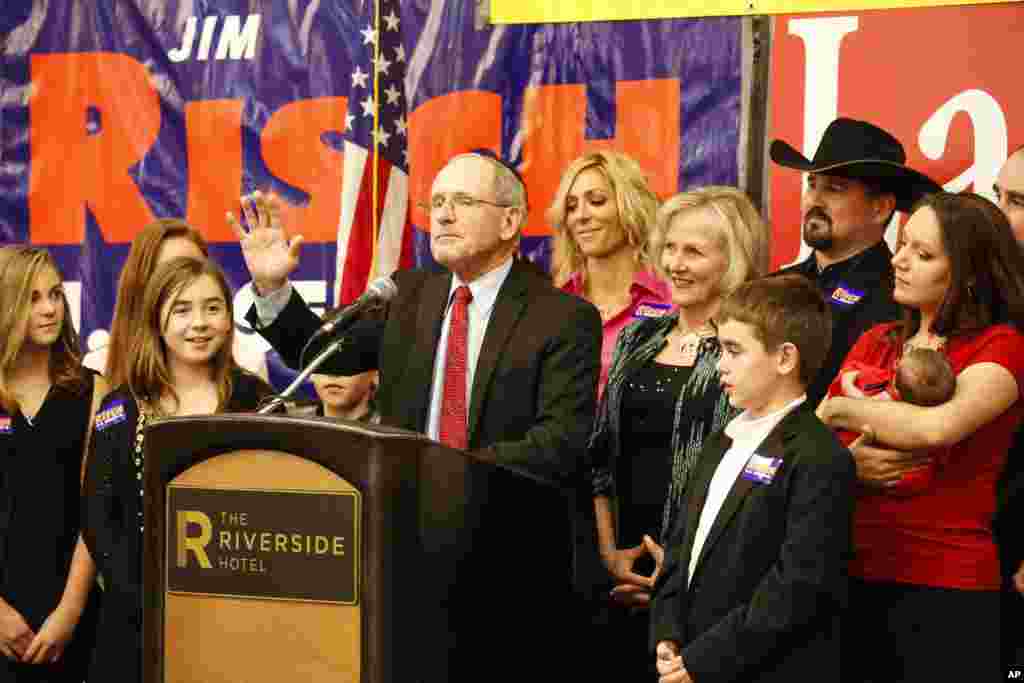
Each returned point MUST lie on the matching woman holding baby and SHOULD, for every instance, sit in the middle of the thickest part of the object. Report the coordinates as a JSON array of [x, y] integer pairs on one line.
[[924, 601]]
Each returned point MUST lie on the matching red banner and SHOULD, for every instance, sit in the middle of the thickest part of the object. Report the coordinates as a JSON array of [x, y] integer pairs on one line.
[[943, 80]]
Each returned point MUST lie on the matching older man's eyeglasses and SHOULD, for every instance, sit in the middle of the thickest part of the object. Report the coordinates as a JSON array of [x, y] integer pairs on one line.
[[458, 200]]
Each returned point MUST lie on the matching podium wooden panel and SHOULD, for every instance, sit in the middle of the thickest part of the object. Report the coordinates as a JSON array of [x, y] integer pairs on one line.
[[458, 559], [213, 640]]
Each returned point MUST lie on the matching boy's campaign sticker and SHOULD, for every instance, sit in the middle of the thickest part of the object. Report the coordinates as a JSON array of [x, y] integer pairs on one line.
[[761, 469]]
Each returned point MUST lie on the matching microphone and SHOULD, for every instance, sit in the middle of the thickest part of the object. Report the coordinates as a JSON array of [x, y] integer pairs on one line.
[[380, 291]]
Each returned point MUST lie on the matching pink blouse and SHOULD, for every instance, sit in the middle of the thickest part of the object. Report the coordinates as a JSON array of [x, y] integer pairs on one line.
[[649, 298]]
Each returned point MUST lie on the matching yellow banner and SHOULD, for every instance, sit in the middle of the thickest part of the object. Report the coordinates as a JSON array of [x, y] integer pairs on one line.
[[556, 11]]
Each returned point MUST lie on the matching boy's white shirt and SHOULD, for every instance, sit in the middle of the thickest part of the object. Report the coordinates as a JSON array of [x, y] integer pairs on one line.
[[746, 434]]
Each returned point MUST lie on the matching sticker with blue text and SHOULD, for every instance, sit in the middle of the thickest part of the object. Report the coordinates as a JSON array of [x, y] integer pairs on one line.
[[846, 296], [111, 415], [761, 469], [651, 309]]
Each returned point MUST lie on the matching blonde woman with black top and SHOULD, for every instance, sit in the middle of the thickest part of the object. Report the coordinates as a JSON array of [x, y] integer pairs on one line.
[[47, 400]]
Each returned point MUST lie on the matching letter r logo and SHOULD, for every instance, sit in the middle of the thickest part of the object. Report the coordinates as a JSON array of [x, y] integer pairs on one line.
[[196, 544]]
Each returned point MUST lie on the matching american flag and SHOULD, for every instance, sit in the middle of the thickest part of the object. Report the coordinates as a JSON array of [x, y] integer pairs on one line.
[[375, 231]]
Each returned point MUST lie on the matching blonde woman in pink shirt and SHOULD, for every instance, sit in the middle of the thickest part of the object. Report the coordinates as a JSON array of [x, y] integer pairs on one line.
[[602, 214]]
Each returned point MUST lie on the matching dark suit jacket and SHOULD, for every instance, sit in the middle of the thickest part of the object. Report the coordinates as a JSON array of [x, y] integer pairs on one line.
[[768, 589], [867, 275], [534, 390]]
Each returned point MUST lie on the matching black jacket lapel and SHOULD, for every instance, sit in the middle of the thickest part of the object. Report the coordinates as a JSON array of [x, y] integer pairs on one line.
[[772, 446], [420, 371], [508, 308], [697, 493]]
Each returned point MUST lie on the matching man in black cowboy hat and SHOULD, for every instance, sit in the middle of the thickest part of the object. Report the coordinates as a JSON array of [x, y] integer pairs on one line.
[[855, 182]]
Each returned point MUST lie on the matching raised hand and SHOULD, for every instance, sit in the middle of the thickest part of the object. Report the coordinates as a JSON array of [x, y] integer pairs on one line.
[[269, 254]]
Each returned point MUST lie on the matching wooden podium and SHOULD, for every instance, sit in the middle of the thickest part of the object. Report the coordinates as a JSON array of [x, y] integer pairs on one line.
[[306, 549]]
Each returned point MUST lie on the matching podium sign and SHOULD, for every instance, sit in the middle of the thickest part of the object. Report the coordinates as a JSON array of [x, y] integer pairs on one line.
[[276, 544], [279, 548]]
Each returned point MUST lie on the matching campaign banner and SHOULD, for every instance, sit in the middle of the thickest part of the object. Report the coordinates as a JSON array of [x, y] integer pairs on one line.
[[540, 11], [113, 114], [936, 78]]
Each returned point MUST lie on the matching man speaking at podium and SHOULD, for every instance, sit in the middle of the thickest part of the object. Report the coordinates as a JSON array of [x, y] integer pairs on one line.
[[489, 357], [527, 353]]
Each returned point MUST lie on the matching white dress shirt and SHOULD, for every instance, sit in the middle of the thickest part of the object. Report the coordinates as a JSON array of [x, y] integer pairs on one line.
[[747, 434], [485, 293]]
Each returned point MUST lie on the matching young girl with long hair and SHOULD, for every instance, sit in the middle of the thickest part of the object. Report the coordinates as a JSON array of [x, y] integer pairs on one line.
[[180, 363], [47, 400], [161, 241]]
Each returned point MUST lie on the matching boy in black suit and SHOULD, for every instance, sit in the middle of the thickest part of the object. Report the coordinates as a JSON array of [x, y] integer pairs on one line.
[[755, 573]]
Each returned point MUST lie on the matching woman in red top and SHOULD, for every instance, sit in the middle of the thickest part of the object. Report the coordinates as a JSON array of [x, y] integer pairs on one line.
[[925, 591]]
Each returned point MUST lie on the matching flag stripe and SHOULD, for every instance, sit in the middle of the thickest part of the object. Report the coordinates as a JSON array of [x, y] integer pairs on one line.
[[394, 222]]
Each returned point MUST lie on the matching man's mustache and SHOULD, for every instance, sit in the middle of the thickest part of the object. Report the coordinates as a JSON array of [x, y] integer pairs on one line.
[[818, 213]]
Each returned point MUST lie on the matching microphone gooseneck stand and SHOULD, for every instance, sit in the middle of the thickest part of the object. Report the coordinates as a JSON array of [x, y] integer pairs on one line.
[[279, 400]]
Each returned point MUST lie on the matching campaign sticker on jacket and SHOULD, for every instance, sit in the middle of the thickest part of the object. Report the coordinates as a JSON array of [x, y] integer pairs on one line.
[[761, 469], [111, 415], [5, 424], [846, 296], [651, 309]]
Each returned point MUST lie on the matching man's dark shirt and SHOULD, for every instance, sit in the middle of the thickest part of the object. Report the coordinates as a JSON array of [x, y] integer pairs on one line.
[[859, 290]]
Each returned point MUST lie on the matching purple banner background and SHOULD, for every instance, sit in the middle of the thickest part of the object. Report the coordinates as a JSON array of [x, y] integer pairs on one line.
[[308, 49]]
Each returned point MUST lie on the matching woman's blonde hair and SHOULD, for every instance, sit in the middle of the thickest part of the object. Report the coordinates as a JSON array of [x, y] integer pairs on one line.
[[635, 201], [19, 267], [742, 231], [149, 376], [136, 272]]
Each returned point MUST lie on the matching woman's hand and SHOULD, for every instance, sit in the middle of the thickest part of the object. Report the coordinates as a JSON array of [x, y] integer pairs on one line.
[[883, 467], [53, 637], [1018, 579], [15, 634], [619, 564], [639, 595]]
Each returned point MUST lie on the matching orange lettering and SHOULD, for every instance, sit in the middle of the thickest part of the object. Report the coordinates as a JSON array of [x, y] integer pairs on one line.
[[72, 167], [647, 129], [294, 152], [447, 125], [213, 129]]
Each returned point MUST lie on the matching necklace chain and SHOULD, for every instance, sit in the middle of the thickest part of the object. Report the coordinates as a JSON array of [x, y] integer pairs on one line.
[[690, 338]]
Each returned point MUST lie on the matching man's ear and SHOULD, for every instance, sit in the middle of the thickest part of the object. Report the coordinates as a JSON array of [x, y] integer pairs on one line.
[[512, 221], [789, 358], [884, 205]]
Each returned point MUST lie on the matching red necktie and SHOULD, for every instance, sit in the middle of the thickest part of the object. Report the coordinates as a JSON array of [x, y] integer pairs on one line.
[[452, 430]]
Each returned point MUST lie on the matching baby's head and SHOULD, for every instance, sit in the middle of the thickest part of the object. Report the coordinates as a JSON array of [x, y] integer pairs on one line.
[[924, 377]]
